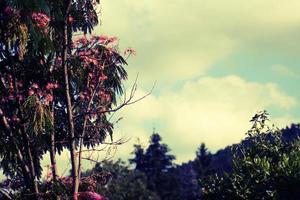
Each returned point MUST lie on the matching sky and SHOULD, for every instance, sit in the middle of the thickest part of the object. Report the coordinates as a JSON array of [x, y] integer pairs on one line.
[[215, 64]]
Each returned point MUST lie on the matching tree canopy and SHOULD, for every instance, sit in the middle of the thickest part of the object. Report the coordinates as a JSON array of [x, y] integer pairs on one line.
[[56, 89]]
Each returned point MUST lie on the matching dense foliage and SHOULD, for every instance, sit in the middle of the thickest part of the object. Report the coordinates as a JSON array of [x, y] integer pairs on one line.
[[265, 167], [56, 90]]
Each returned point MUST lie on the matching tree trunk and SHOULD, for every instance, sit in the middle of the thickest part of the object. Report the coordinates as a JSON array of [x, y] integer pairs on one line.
[[52, 147], [70, 115], [52, 157], [53, 151]]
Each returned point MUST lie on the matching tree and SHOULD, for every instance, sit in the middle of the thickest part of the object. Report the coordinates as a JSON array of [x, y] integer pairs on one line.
[[202, 161], [138, 159], [157, 158], [264, 168], [157, 164], [56, 90]]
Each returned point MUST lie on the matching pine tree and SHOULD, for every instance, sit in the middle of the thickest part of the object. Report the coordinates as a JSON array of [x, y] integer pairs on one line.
[[138, 160], [202, 161], [157, 164]]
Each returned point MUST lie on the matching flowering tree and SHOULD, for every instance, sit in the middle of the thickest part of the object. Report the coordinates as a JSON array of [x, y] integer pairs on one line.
[[56, 90]]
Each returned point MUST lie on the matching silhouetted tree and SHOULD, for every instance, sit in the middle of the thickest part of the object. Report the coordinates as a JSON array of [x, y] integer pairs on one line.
[[157, 164], [202, 161], [139, 157]]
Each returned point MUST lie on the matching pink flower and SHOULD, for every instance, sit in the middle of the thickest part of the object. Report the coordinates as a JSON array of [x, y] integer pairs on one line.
[[129, 51], [70, 19], [83, 40], [102, 38], [56, 85], [41, 20], [39, 93], [19, 84], [49, 175], [20, 97], [49, 86], [35, 86], [8, 10], [49, 98], [112, 39], [15, 118], [103, 77], [12, 12], [11, 97], [30, 92], [90, 196], [94, 61], [46, 31]]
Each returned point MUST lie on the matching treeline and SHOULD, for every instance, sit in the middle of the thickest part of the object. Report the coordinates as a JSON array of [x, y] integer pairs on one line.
[[266, 165]]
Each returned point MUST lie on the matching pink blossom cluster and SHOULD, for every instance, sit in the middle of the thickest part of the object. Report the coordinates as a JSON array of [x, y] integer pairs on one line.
[[49, 174], [70, 19], [88, 57], [11, 11], [90, 196], [17, 92], [41, 20], [90, 54], [129, 51], [96, 54], [43, 94], [102, 39], [105, 97]]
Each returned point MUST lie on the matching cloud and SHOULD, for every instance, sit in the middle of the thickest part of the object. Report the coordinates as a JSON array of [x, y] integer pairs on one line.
[[211, 110], [180, 40]]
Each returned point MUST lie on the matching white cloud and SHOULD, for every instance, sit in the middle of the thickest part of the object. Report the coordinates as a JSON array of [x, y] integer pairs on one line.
[[211, 110], [180, 39]]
